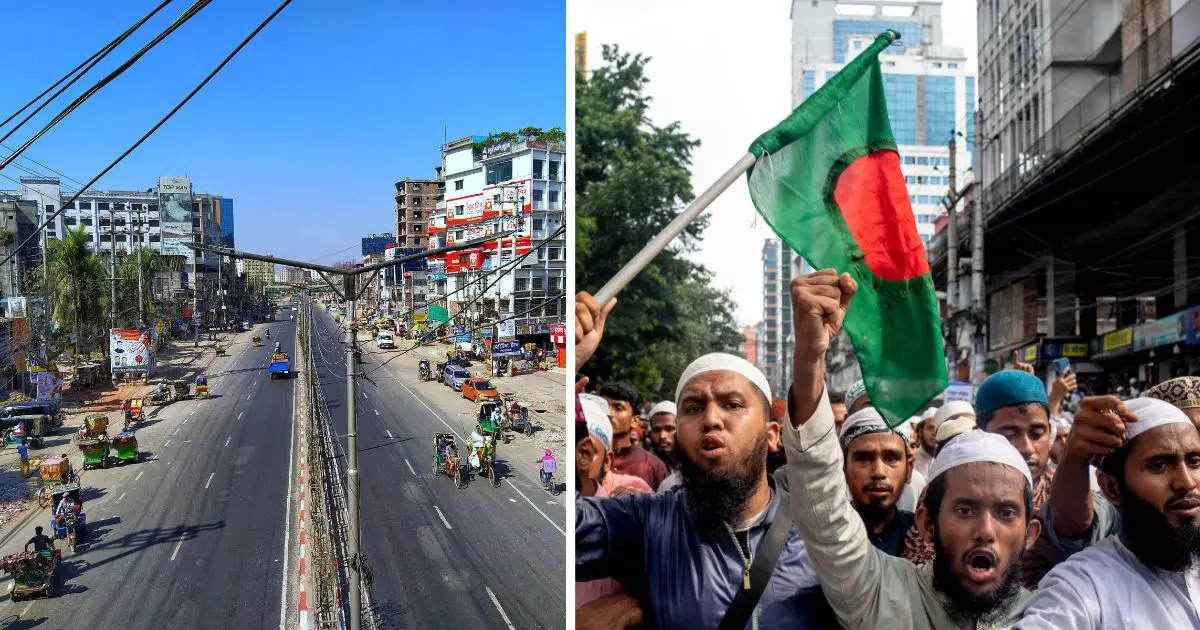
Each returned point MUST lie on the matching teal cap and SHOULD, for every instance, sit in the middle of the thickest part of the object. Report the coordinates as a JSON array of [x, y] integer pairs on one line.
[[1007, 388]]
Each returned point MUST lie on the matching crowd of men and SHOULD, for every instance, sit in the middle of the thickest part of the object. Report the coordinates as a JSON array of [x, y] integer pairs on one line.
[[733, 506]]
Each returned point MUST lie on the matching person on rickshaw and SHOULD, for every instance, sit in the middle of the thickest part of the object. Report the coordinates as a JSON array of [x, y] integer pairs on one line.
[[67, 506], [40, 541], [161, 391], [451, 450], [268, 333], [277, 347]]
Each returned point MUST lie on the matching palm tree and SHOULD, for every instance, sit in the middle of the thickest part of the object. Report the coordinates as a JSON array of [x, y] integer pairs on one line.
[[76, 278]]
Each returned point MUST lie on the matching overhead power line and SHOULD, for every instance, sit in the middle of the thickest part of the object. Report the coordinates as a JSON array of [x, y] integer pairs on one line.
[[93, 60], [179, 21], [162, 121]]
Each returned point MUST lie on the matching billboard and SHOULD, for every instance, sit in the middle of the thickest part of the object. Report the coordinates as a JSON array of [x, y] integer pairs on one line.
[[129, 350], [506, 329], [175, 214], [464, 260], [506, 348], [467, 209]]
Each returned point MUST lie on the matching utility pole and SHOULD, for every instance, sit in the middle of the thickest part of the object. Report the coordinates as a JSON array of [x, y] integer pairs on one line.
[[952, 264], [349, 292], [112, 268], [141, 299], [195, 300], [46, 306]]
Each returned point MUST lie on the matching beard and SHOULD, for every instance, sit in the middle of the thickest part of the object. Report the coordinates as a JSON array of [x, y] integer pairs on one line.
[[716, 499], [965, 605], [876, 511], [1153, 539], [668, 457]]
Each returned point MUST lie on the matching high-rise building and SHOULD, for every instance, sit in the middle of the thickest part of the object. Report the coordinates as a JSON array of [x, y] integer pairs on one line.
[[930, 94], [502, 187], [376, 243], [259, 270], [750, 344], [18, 221], [777, 260], [416, 201]]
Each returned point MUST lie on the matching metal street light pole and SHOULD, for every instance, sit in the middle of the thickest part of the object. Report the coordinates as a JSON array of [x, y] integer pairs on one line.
[[349, 291]]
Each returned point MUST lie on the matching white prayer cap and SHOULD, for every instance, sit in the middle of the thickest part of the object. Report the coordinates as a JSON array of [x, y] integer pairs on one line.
[[951, 428], [595, 412], [1151, 413], [929, 413], [663, 406], [866, 418], [952, 408], [978, 446], [722, 361], [856, 391]]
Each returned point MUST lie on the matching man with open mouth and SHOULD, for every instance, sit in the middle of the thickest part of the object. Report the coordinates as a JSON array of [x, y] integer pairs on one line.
[[976, 508], [1147, 575], [721, 546]]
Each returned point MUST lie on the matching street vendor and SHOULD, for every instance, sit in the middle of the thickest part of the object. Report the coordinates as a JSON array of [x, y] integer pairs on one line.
[[40, 541]]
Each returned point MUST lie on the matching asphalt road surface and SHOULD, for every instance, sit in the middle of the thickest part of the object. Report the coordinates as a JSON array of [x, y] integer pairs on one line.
[[480, 557], [192, 536]]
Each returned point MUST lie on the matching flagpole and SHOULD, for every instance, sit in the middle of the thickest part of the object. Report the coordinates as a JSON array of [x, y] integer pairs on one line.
[[660, 240]]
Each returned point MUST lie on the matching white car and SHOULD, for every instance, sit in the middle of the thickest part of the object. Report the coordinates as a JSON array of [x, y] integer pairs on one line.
[[385, 341]]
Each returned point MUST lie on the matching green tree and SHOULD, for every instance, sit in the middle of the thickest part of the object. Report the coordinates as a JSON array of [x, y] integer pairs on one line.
[[153, 263], [77, 287], [631, 179]]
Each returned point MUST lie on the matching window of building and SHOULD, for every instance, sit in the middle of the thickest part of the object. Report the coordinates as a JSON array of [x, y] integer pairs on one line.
[[119, 221], [910, 179], [137, 207], [498, 172], [952, 65], [908, 159], [416, 201], [553, 255], [102, 205], [537, 224], [416, 187], [104, 222], [153, 222], [923, 160], [85, 205], [69, 206], [553, 170], [458, 184], [522, 284], [537, 198], [496, 200], [416, 216], [196, 207], [937, 64], [106, 238], [537, 283], [69, 221], [537, 168], [458, 211], [49, 208], [153, 207], [120, 238], [458, 235], [85, 220], [154, 238], [553, 199], [554, 283]]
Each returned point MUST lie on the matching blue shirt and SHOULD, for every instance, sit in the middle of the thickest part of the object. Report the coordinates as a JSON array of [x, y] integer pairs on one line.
[[649, 543]]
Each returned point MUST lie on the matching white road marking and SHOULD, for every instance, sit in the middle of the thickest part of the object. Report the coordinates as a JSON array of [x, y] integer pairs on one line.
[[536, 509], [249, 395], [227, 440], [410, 468], [176, 432], [240, 414], [139, 475], [443, 517], [500, 609], [512, 499], [365, 395], [210, 477], [177, 545], [552, 502], [185, 420], [376, 411], [26, 608], [120, 497], [165, 444], [287, 515], [389, 434]]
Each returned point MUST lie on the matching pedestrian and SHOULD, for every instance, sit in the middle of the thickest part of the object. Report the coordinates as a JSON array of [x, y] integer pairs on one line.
[[856, 397], [689, 555], [662, 441], [977, 506], [630, 457], [1145, 577], [837, 400], [879, 463], [926, 430]]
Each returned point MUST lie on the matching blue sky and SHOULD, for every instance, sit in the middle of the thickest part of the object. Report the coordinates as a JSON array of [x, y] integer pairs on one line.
[[308, 128]]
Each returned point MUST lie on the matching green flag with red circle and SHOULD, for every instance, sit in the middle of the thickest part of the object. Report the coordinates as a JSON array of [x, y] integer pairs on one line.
[[827, 180]]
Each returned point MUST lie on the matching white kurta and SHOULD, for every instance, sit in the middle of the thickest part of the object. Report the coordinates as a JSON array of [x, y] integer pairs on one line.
[[1106, 586]]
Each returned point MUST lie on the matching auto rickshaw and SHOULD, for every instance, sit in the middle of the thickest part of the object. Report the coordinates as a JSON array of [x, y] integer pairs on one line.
[[28, 430], [180, 390], [95, 451], [423, 371], [125, 447], [257, 341], [201, 386]]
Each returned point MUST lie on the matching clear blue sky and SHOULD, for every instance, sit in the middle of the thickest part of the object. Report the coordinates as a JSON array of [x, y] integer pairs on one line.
[[308, 128]]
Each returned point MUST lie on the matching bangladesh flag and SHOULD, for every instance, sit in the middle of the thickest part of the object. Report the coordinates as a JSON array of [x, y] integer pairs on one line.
[[827, 179]]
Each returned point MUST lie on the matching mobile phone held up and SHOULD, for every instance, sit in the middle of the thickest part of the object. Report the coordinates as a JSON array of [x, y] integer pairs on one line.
[[1062, 365]]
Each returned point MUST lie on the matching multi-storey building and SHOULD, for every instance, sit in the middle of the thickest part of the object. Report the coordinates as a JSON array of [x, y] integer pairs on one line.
[[295, 276], [377, 243], [416, 201], [777, 259], [750, 344], [506, 187], [18, 221], [930, 94], [259, 270]]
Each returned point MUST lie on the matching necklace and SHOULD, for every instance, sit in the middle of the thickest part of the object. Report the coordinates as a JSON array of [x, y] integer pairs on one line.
[[747, 557]]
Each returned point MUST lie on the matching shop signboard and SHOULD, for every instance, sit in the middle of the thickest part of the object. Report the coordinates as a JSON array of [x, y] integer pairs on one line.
[[1117, 339], [958, 390], [506, 348], [1160, 332], [1029, 353], [420, 318], [1191, 318], [458, 330], [1075, 350]]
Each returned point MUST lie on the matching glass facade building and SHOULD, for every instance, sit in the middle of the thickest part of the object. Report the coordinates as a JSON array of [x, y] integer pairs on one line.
[[910, 35]]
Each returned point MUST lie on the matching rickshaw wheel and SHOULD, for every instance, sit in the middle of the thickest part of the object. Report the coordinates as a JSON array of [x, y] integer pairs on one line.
[[528, 429]]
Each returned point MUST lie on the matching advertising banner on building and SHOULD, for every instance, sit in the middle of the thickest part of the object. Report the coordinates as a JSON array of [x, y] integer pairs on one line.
[[1161, 332], [175, 212], [501, 348], [129, 350], [49, 385], [1192, 319], [1117, 339], [464, 260], [464, 210], [438, 313], [506, 329]]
